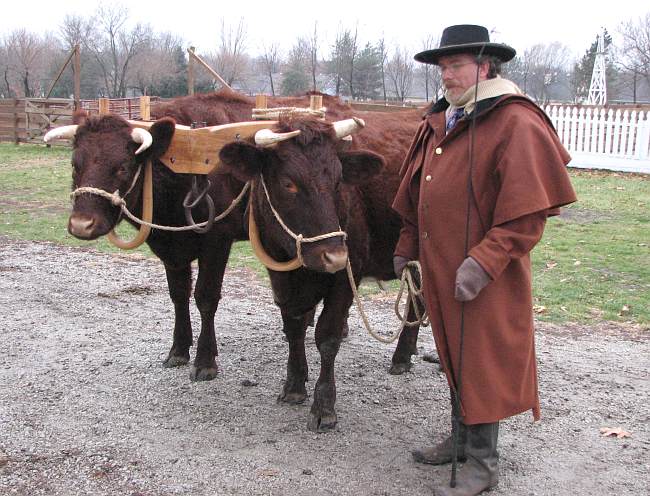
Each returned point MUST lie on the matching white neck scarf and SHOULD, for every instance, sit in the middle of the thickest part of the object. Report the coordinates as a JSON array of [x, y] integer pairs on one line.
[[488, 88]]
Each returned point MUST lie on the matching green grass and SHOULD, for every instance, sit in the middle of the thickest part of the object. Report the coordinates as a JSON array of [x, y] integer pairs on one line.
[[593, 263]]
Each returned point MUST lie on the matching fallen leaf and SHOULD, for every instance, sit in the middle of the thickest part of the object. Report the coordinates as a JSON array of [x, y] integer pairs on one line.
[[539, 309], [577, 262], [624, 311], [614, 431], [551, 265]]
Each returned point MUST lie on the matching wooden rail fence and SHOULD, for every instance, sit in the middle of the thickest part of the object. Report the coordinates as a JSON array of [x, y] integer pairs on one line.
[[26, 120]]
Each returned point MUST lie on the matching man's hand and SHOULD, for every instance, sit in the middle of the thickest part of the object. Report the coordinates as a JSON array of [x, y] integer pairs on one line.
[[470, 280], [399, 263]]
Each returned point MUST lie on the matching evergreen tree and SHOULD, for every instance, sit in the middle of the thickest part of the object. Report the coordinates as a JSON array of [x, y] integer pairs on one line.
[[367, 73]]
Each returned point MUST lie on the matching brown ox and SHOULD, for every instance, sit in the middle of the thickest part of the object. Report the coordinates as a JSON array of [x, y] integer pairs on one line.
[[318, 187], [104, 157]]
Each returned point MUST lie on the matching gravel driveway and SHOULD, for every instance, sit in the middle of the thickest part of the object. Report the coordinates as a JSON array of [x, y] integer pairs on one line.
[[87, 409]]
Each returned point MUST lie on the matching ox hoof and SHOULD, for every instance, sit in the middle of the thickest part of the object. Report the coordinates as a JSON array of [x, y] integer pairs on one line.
[[203, 373], [292, 398], [323, 423], [400, 368], [175, 361]]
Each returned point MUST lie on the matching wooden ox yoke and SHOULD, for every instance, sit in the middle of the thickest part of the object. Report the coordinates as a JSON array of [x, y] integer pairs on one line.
[[196, 151]]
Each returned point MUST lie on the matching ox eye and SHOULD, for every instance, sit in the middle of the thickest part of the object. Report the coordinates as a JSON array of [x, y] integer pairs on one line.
[[290, 186]]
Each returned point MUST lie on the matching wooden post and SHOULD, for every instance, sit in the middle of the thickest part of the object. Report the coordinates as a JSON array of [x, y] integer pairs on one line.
[[315, 102], [16, 140], [145, 108], [76, 69], [104, 106], [260, 101], [208, 68], [190, 72]]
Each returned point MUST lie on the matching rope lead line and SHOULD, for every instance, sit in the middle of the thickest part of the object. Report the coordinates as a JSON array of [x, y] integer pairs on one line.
[[119, 201]]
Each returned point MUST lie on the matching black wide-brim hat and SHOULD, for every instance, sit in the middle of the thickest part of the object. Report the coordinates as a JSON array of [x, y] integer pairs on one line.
[[466, 38]]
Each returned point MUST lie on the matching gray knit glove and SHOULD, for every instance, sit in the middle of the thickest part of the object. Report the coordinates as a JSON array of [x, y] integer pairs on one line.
[[470, 280], [399, 262]]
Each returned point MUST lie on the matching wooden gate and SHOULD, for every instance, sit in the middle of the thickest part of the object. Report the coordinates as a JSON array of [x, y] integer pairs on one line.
[[41, 114]]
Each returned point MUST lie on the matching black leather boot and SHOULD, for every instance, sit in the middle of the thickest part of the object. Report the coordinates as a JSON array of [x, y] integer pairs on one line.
[[441, 453], [481, 471]]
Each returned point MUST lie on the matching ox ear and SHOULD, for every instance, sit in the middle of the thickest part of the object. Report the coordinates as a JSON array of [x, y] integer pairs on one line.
[[243, 160], [79, 117], [360, 165], [162, 132]]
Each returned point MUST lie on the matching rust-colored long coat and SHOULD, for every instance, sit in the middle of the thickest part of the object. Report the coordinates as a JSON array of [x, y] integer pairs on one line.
[[519, 178]]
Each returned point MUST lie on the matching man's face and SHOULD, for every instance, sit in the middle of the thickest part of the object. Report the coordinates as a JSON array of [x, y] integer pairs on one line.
[[459, 72]]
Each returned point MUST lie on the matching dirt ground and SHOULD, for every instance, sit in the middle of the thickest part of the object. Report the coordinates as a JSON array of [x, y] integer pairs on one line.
[[86, 407]]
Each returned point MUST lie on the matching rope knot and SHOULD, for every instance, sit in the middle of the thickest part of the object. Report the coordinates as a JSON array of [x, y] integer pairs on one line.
[[116, 199]]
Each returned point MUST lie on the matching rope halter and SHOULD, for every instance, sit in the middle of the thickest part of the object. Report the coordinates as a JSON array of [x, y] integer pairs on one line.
[[298, 238]]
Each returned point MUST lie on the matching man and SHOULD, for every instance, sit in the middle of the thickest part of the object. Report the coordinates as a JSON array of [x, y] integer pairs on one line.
[[483, 173]]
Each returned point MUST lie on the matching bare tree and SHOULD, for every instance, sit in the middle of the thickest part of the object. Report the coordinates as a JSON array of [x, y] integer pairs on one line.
[[634, 54], [313, 55], [383, 54], [351, 59], [114, 47], [400, 72], [26, 66], [431, 78], [156, 62], [539, 68], [271, 62], [231, 59]]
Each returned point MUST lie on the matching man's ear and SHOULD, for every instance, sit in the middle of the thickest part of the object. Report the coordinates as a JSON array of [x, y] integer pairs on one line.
[[360, 165], [162, 132], [243, 160]]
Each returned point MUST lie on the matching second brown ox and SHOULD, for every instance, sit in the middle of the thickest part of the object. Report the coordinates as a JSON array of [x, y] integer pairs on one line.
[[317, 186]]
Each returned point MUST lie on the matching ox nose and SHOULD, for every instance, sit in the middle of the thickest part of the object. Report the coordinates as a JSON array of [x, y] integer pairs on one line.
[[335, 260], [81, 226]]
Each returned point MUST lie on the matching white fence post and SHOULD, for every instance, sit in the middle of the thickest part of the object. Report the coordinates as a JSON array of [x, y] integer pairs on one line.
[[602, 138]]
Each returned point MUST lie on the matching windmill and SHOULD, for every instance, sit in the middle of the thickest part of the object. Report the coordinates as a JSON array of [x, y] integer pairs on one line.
[[598, 87]]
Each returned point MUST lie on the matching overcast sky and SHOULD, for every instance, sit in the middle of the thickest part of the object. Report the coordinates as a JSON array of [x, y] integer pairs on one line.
[[517, 23]]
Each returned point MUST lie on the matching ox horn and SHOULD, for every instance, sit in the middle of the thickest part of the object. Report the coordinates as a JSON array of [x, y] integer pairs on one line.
[[348, 126], [266, 137], [61, 132], [142, 136]]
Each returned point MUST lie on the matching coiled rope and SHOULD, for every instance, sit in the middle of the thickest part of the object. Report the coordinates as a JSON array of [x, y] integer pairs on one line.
[[414, 299]]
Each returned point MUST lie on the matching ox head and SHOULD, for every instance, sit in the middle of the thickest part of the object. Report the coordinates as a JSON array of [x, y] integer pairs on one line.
[[107, 153], [308, 175]]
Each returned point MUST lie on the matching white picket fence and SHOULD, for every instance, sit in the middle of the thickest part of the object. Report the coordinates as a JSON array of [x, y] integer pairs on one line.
[[599, 138]]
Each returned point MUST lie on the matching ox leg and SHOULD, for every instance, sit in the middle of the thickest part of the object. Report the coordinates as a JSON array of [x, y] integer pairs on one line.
[[179, 282], [207, 293], [407, 344], [406, 347], [329, 333], [294, 327]]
